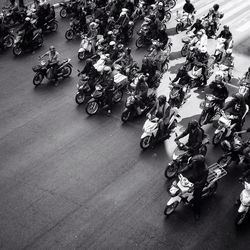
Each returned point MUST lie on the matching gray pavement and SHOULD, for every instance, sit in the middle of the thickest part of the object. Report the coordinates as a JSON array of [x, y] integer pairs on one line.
[[69, 181]]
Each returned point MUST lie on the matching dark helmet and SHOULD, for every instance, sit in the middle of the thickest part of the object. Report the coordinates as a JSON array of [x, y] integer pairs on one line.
[[89, 62], [198, 20], [216, 7], [226, 27], [200, 159], [162, 99], [193, 124], [238, 96]]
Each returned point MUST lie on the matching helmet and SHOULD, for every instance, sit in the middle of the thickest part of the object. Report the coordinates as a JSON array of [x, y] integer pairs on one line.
[[162, 99], [107, 69], [203, 31], [160, 4], [110, 33], [226, 145], [125, 10], [123, 13], [193, 124], [226, 27], [199, 33], [203, 49], [93, 25], [27, 19], [198, 159], [229, 51], [238, 96], [52, 48], [112, 43], [219, 76], [216, 7]]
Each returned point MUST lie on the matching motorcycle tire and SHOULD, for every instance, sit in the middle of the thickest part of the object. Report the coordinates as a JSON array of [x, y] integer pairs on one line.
[[81, 56], [145, 142], [217, 138], [118, 96], [54, 27], [184, 51], [17, 50], [126, 115], [92, 108], [37, 79], [63, 13], [179, 28], [130, 33], [139, 42], [169, 209], [171, 170], [164, 67], [203, 118], [225, 161], [168, 16], [68, 71], [69, 35], [171, 4], [240, 218], [80, 98], [9, 41]]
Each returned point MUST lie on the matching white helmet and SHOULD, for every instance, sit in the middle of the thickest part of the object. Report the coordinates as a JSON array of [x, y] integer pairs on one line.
[[229, 51], [219, 76], [112, 43], [203, 49], [27, 19]]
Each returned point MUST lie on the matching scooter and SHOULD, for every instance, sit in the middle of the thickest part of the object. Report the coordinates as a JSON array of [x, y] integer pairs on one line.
[[151, 132], [73, 31], [225, 127], [140, 11], [85, 49], [183, 21], [8, 40], [220, 49], [42, 71], [182, 190], [244, 204], [182, 157]]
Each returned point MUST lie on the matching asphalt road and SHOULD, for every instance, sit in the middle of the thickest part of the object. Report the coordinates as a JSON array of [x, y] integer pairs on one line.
[[69, 181]]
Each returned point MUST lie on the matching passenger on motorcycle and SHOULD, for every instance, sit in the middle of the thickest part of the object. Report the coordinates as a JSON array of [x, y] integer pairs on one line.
[[196, 135], [226, 34], [123, 21], [219, 89], [189, 8], [197, 173], [53, 61], [237, 108], [161, 110], [197, 26]]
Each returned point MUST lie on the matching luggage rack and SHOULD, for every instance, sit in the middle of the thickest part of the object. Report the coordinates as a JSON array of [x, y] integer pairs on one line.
[[215, 171]]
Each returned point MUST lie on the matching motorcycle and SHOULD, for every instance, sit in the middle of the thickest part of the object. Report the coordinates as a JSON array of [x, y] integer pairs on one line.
[[183, 22], [209, 108], [196, 77], [182, 157], [182, 190], [140, 11], [85, 49], [220, 49], [185, 48], [13, 17], [68, 9], [19, 46], [43, 70], [74, 30], [225, 127], [170, 4], [97, 102], [8, 40], [244, 88], [132, 108], [244, 204], [151, 131], [83, 89], [143, 38]]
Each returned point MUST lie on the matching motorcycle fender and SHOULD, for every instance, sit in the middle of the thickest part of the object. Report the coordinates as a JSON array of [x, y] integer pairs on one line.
[[217, 131], [92, 99], [174, 199], [81, 50], [243, 209], [145, 135]]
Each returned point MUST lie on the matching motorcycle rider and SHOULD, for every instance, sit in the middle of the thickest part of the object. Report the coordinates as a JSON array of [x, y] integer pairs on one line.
[[238, 109], [197, 173], [126, 60], [157, 55], [160, 11], [189, 8], [92, 34], [52, 62], [113, 51], [197, 26], [219, 89], [228, 61], [123, 21], [196, 135], [226, 34], [162, 37], [161, 110]]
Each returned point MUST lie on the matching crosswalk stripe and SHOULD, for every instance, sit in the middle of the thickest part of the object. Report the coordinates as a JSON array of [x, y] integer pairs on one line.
[[208, 6], [229, 5], [244, 27], [240, 19]]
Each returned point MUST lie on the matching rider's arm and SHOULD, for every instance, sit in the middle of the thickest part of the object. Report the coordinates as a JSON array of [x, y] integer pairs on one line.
[[46, 54], [186, 132]]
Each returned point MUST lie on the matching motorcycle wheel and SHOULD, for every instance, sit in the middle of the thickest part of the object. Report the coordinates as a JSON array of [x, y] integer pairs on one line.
[[67, 71], [81, 56], [203, 118], [125, 115], [117, 96], [54, 27], [225, 161], [130, 33], [17, 50], [184, 51], [171, 170], [217, 138], [80, 98], [38, 78], [165, 67], [63, 13], [240, 218], [145, 142], [92, 108], [139, 42], [178, 28], [171, 4], [9, 42], [168, 16], [69, 35], [171, 208]]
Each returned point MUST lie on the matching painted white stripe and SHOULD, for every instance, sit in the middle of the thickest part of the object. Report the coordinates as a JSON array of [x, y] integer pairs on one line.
[[244, 27], [240, 19], [208, 6]]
